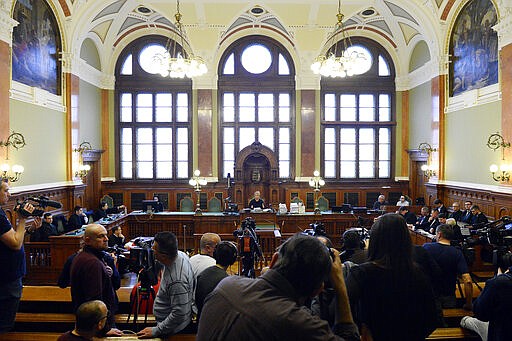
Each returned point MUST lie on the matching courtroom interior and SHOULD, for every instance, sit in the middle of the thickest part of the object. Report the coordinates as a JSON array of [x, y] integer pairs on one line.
[[250, 119]]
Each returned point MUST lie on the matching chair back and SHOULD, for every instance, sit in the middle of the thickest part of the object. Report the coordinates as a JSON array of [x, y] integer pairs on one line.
[[108, 199], [214, 205], [186, 205], [323, 203]]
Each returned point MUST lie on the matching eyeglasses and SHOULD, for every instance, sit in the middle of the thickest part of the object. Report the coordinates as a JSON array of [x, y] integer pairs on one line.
[[102, 318]]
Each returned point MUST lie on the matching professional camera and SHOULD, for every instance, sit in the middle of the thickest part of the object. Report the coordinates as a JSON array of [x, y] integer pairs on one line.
[[315, 229], [248, 246], [497, 234], [142, 261], [39, 206]]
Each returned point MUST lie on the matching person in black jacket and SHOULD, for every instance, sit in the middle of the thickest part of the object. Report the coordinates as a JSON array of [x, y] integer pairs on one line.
[[104, 211], [45, 230], [77, 219], [410, 218]]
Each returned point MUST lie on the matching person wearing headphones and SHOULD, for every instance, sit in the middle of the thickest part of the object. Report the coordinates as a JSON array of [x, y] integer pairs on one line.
[[225, 254], [353, 248]]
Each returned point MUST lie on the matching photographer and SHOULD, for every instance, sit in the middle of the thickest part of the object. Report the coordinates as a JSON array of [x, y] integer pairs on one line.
[[12, 262]]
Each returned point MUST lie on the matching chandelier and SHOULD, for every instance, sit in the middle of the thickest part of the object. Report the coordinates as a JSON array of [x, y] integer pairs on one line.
[[178, 64], [343, 60]]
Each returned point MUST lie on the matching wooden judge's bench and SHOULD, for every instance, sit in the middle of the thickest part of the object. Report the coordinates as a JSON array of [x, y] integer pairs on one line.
[[45, 260]]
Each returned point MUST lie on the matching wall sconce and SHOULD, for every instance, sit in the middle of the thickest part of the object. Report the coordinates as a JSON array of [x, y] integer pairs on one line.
[[494, 142], [428, 169], [83, 169], [197, 182], [17, 141], [316, 182]]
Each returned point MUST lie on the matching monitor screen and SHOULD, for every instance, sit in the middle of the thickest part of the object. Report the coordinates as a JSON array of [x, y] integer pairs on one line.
[[150, 206]]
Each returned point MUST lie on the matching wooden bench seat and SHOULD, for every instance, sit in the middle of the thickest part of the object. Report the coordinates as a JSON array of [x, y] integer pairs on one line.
[[32, 336], [452, 334]]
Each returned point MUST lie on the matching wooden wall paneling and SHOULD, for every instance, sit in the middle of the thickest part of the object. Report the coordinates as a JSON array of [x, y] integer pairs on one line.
[[204, 131]]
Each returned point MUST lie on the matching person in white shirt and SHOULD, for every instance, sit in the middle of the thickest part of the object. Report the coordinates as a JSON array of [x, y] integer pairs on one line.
[[402, 201], [205, 259]]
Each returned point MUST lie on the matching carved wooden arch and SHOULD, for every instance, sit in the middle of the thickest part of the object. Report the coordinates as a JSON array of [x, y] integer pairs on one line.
[[256, 148]]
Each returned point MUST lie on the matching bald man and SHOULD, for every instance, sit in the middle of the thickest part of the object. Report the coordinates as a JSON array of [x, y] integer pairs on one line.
[[205, 258], [91, 276]]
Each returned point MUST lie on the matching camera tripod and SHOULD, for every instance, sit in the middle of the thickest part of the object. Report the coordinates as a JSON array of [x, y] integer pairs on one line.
[[144, 295]]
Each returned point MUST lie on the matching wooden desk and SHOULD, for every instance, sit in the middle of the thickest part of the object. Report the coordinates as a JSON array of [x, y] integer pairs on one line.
[[45, 260]]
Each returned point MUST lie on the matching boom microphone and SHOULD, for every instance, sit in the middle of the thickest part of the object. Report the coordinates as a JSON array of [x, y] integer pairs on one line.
[[43, 201]]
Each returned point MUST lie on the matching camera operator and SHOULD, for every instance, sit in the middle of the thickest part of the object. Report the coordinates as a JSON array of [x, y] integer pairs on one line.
[[492, 305], [12, 262], [174, 303]]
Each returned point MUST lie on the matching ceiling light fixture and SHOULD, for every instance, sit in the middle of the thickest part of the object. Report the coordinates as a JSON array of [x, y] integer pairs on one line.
[[176, 62], [343, 60]]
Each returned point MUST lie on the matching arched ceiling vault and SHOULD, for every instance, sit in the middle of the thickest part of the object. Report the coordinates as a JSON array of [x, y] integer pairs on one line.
[[398, 24]]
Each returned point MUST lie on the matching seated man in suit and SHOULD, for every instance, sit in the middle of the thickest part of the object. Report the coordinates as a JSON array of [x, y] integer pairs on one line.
[[422, 222], [466, 214], [45, 230], [478, 218], [77, 219], [381, 201], [104, 211], [457, 214], [433, 221], [438, 205], [257, 202]]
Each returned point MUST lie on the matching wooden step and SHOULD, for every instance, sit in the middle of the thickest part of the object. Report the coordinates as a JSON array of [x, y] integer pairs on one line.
[[452, 334], [70, 318], [48, 293]]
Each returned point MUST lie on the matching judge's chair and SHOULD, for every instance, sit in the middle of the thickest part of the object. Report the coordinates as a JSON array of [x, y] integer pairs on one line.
[[187, 205], [323, 204], [214, 205]]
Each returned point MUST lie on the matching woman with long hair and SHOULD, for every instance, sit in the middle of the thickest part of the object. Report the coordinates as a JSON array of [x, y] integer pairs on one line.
[[391, 297]]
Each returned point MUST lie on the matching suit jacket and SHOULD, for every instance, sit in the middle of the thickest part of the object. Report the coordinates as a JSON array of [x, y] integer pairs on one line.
[[422, 223], [466, 216], [410, 218], [75, 222], [457, 215], [442, 209], [479, 219]]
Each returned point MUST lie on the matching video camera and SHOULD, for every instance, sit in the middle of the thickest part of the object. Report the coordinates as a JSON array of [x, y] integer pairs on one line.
[[248, 246], [39, 206], [497, 234], [315, 229], [142, 261]]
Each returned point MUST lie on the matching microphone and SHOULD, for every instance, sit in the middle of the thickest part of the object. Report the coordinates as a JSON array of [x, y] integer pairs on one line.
[[43, 202]]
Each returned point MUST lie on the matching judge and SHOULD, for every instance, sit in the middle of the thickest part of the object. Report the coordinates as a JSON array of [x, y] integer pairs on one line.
[[257, 202]]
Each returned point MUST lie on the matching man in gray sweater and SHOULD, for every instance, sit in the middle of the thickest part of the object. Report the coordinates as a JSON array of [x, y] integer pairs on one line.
[[174, 302]]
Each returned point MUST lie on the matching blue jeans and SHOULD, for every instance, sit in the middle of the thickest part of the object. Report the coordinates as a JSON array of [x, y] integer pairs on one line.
[[10, 295]]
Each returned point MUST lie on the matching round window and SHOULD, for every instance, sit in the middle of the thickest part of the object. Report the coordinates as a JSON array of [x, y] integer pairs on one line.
[[256, 58], [149, 54]]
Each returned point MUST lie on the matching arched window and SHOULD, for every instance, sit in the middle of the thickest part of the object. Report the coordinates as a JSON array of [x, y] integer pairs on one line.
[[358, 119], [153, 116], [256, 96]]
